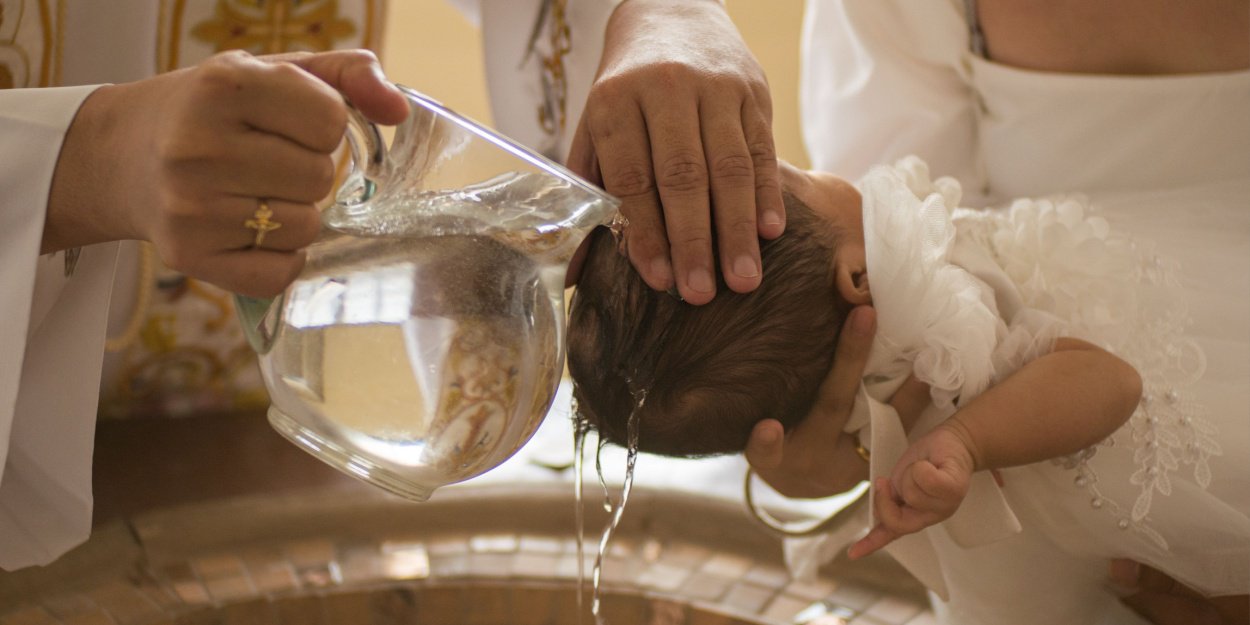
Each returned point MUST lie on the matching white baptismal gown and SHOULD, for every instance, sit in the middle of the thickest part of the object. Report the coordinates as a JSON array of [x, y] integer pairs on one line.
[[1162, 159]]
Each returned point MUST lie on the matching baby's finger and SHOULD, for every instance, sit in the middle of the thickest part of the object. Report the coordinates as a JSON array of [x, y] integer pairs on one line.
[[764, 448], [935, 483], [909, 489], [879, 537]]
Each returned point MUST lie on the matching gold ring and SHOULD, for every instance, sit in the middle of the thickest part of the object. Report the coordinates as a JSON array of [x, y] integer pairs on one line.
[[260, 222], [862, 451]]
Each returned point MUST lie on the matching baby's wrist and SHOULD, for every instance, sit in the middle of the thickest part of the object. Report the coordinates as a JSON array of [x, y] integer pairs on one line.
[[962, 433]]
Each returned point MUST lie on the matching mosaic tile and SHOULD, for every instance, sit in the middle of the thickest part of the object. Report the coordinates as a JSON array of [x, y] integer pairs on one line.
[[493, 543], [448, 545], [397, 561], [821, 613], [449, 566], [190, 592], [310, 553], [156, 592], [663, 577], [226, 589], [893, 611], [218, 566], [783, 608], [727, 565], [319, 575], [540, 544], [706, 586], [621, 571], [685, 554], [535, 565], [68, 604], [813, 589], [767, 575], [125, 603], [361, 563], [854, 596], [567, 564], [747, 597], [273, 578], [490, 565]]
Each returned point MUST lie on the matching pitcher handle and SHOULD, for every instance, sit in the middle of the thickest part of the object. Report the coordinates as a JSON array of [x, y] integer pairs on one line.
[[367, 168]]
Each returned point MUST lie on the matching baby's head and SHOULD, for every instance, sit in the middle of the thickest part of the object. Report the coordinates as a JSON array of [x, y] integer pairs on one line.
[[701, 377]]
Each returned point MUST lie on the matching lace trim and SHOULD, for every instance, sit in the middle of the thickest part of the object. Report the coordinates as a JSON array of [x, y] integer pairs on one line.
[[1169, 429]]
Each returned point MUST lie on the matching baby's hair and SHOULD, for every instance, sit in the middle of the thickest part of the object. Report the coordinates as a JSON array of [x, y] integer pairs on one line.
[[701, 377]]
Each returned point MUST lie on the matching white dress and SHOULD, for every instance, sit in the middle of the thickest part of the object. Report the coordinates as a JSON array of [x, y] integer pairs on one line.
[[1163, 159]]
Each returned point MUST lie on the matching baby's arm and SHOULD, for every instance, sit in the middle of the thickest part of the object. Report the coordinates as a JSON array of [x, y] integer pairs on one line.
[[1056, 405]]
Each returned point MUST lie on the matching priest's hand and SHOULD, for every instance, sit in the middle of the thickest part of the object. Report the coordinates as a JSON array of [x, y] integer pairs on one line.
[[219, 165], [678, 124]]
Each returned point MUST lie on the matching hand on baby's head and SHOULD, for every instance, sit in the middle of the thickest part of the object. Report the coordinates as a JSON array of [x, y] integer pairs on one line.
[[699, 378]]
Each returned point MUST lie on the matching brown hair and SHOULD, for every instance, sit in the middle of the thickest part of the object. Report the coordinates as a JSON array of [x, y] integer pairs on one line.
[[701, 377]]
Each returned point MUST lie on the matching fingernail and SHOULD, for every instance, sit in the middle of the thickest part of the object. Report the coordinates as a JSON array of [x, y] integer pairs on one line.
[[661, 272], [700, 280], [861, 321], [1125, 572], [771, 218], [745, 267]]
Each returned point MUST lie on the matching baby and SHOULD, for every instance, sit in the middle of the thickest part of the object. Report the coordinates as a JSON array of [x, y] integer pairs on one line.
[[962, 304]]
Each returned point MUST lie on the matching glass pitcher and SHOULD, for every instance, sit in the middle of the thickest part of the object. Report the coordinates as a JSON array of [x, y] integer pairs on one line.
[[423, 342]]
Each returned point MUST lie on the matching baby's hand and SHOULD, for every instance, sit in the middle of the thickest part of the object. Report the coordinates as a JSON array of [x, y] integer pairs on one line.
[[927, 486]]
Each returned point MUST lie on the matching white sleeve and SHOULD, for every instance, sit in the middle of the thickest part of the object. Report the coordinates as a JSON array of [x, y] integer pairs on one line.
[[51, 341], [883, 79]]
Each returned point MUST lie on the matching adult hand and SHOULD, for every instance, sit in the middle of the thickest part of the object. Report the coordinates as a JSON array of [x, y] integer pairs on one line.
[[1164, 601], [816, 458], [678, 124], [184, 159]]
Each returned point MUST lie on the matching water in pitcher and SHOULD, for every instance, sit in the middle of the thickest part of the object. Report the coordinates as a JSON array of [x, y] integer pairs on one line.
[[424, 333]]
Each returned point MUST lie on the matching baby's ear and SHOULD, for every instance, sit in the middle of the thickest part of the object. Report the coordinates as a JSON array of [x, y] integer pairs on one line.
[[851, 273]]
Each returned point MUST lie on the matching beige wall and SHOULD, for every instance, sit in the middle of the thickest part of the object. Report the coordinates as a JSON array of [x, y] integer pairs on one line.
[[430, 46]]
